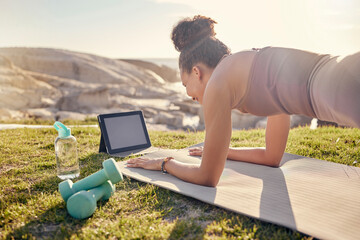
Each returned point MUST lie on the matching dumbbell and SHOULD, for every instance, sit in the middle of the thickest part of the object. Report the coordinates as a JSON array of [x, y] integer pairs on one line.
[[83, 204], [110, 172]]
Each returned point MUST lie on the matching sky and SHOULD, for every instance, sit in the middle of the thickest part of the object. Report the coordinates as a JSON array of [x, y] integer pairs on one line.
[[142, 28]]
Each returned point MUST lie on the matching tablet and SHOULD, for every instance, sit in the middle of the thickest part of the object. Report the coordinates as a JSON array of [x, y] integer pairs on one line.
[[124, 132]]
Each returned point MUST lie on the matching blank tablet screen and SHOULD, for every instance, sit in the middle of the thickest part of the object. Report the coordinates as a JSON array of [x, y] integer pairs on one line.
[[125, 131]]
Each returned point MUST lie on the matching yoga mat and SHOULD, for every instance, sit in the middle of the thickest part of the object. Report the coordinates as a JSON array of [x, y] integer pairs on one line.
[[316, 197]]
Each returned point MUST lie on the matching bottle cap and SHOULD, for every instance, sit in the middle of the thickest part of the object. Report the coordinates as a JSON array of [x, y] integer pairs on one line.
[[64, 131]]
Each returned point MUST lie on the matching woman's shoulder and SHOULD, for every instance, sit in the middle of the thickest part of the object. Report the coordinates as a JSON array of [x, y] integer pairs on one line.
[[239, 61], [244, 56], [231, 76], [234, 67]]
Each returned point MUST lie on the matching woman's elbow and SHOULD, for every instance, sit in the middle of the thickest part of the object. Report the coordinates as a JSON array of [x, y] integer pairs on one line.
[[210, 181], [272, 159], [274, 162], [210, 184]]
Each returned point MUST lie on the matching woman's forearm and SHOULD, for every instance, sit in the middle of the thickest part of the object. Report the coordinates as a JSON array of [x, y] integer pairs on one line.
[[277, 131], [257, 156], [190, 173]]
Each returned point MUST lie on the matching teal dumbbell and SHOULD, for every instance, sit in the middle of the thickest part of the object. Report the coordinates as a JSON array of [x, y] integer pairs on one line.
[[110, 172], [83, 204]]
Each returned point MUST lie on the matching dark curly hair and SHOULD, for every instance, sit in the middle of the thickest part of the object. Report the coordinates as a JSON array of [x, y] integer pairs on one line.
[[195, 39]]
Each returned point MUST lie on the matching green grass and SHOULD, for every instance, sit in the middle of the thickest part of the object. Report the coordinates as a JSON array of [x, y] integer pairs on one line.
[[31, 206], [36, 121]]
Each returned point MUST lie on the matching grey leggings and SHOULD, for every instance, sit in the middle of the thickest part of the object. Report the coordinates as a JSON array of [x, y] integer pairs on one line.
[[335, 91]]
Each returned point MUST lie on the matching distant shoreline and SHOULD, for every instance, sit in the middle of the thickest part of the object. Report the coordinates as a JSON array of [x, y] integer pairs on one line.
[[169, 62]]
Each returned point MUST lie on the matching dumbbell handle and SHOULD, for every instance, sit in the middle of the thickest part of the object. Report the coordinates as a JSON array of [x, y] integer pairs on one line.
[[90, 181], [98, 192]]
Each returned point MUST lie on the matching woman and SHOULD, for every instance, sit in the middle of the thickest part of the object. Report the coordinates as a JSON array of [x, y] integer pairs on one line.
[[272, 82]]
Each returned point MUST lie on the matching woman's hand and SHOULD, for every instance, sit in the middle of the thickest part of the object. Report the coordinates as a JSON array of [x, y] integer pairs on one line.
[[146, 163], [196, 151]]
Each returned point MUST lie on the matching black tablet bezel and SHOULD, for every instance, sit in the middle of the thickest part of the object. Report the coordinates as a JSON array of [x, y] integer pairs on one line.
[[102, 124]]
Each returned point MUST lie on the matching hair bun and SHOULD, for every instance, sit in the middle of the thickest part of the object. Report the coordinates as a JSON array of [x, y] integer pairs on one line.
[[190, 30]]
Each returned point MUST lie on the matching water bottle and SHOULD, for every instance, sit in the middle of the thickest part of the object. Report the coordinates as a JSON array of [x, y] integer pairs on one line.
[[66, 153]]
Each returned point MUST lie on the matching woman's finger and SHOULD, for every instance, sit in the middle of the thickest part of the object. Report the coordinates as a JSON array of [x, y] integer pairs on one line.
[[137, 160], [146, 163], [132, 165], [195, 152], [196, 148]]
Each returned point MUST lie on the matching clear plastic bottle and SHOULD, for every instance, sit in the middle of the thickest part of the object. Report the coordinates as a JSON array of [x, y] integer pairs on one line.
[[66, 153]]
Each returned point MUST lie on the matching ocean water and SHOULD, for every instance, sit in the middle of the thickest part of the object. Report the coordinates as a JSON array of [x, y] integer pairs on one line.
[[169, 62]]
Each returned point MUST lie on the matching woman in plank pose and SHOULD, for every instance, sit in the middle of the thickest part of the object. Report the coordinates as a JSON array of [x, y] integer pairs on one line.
[[273, 82]]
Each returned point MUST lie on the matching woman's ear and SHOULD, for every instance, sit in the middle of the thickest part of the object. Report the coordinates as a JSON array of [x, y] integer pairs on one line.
[[197, 71]]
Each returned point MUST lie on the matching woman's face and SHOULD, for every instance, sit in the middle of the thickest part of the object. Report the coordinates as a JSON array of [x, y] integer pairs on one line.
[[193, 83]]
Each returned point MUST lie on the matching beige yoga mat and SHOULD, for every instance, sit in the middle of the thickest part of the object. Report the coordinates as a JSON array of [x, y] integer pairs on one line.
[[318, 198]]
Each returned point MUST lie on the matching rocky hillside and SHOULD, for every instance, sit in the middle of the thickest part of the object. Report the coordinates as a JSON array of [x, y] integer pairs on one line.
[[58, 84]]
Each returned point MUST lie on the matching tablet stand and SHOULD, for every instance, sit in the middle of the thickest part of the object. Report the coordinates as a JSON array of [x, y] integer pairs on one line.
[[102, 146]]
